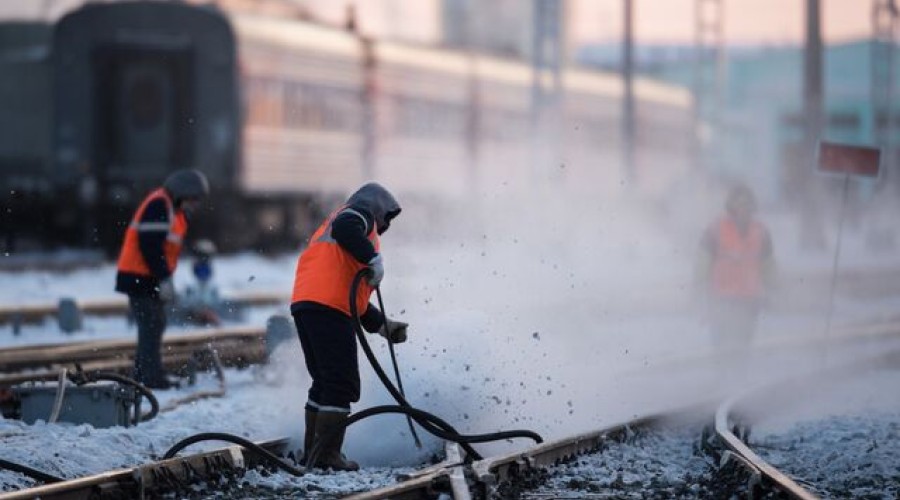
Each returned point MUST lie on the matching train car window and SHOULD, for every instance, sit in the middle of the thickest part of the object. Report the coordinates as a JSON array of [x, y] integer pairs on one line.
[[264, 102], [321, 107], [279, 103], [417, 117], [145, 102]]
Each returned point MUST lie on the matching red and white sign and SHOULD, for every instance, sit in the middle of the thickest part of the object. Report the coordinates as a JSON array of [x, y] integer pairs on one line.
[[850, 160]]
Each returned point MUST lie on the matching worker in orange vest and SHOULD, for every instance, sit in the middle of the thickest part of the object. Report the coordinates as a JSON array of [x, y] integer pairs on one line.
[[735, 270], [345, 243], [149, 254]]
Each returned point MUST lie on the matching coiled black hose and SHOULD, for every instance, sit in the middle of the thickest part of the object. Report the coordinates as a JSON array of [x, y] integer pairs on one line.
[[231, 438], [28, 471], [81, 377]]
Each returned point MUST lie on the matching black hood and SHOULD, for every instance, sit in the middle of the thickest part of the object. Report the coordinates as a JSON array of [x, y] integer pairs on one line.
[[378, 201]]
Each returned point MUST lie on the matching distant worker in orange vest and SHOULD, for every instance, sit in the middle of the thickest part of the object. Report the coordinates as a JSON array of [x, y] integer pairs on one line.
[[147, 261], [735, 271], [345, 243]]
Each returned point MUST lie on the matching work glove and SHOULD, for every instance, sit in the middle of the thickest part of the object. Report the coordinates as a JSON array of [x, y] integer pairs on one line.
[[376, 270], [166, 290], [394, 331]]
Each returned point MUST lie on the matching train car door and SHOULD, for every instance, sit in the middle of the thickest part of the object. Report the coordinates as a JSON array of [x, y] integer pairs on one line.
[[141, 122], [143, 126]]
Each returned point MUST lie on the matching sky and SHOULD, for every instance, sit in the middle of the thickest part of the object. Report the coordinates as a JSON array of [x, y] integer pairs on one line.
[[746, 21], [657, 21]]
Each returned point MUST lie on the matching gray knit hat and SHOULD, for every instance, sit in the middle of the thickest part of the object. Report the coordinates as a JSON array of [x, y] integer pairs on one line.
[[184, 184]]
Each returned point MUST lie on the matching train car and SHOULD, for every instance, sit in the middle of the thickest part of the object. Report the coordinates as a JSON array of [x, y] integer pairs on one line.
[[286, 116], [432, 122], [141, 89], [25, 152]]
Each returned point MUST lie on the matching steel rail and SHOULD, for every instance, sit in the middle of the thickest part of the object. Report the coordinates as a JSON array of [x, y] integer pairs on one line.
[[149, 480], [490, 472], [726, 411], [31, 313], [239, 356], [733, 443], [426, 483], [239, 349], [48, 355]]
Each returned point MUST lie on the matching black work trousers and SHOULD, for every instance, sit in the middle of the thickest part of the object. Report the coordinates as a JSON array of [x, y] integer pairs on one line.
[[150, 315], [329, 348]]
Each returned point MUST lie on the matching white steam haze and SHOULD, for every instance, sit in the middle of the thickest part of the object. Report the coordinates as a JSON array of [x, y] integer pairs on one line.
[[552, 310], [604, 283]]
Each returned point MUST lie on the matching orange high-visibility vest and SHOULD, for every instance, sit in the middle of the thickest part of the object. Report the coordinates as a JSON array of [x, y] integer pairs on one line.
[[131, 260], [325, 271], [737, 263]]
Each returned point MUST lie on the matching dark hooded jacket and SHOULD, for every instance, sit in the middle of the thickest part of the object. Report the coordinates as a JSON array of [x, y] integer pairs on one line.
[[370, 206], [377, 206], [180, 185]]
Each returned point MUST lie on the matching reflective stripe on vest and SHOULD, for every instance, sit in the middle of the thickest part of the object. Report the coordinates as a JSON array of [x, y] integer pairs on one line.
[[737, 263], [325, 271], [131, 260]]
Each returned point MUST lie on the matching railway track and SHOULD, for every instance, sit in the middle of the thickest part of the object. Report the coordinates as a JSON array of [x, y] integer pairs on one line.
[[735, 414], [155, 478], [659, 456], [19, 314], [558, 469], [235, 346]]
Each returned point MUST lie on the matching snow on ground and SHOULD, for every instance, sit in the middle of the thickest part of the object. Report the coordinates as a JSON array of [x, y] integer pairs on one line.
[[76, 450], [518, 322]]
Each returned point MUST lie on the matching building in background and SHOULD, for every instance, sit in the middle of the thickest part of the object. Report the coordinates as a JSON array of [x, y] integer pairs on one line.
[[762, 122], [502, 27]]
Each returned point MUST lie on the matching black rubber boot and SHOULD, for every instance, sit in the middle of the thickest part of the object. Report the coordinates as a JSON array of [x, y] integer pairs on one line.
[[330, 456], [310, 436]]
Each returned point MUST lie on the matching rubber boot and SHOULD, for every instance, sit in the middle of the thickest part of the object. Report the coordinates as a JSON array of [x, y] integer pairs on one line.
[[330, 456], [310, 436]]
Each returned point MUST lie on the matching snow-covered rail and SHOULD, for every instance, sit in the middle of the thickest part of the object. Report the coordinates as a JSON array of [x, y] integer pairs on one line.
[[153, 479], [751, 461], [236, 346], [495, 473], [730, 419], [645, 441], [30, 313]]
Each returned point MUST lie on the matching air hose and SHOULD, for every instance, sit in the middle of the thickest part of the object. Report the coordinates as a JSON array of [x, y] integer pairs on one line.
[[28, 471], [81, 377], [412, 429], [428, 421], [231, 438]]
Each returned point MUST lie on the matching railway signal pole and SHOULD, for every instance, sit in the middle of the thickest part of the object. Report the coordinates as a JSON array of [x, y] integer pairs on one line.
[[812, 231], [628, 111], [546, 89], [709, 75], [884, 30]]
